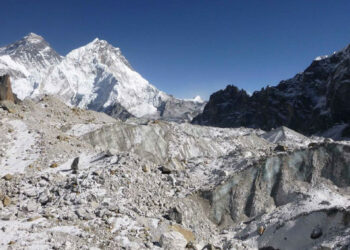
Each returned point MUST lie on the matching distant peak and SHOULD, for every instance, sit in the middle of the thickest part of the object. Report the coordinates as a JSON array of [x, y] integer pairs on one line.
[[96, 40], [198, 99], [99, 41], [33, 38]]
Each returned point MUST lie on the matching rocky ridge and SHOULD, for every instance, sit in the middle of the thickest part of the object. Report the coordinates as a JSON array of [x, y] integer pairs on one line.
[[78, 179], [314, 101]]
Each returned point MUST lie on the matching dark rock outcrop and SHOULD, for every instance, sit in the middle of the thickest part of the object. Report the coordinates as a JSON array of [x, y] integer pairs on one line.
[[311, 102], [6, 93]]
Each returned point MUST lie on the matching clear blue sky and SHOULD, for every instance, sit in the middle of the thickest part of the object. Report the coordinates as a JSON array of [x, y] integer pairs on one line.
[[187, 47]]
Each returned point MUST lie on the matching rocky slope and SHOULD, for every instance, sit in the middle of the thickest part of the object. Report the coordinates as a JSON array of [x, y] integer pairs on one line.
[[96, 76], [78, 179], [311, 102]]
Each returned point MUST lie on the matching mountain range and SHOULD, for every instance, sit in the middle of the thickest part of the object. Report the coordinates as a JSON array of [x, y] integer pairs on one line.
[[96, 76], [315, 101]]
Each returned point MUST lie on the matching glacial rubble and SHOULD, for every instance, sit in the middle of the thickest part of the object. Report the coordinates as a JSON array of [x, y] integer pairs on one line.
[[79, 179]]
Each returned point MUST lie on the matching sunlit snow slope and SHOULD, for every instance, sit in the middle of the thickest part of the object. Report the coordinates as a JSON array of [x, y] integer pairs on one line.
[[96, 76]]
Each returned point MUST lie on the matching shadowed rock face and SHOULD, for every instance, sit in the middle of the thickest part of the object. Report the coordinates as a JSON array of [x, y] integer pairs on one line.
[[278, 180], [6, 90], [311, 102]]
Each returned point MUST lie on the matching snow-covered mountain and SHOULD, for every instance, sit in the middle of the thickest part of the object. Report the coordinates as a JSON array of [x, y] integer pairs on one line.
[[96, 76], [27, 61]]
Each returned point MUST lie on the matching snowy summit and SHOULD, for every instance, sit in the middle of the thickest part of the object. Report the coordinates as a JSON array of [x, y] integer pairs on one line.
[[95, 76]]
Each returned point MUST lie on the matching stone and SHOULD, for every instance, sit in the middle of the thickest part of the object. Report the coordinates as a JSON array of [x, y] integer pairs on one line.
[[165, 170], [281, 148], [44, 197], [261, 230], [54, 165], [6, 201], [316, 233], [6, 89], [145, 168], [74, 167], [210, 246], [312, 145], [174, 214], [172, 240], [190, 245], [30, 206], [8, 177]]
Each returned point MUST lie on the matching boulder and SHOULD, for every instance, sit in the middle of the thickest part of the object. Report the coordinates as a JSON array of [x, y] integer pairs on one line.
[[75, 165], [6, 93], [173, 240]]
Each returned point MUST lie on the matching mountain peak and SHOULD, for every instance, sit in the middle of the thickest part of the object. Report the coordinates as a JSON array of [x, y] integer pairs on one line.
[[33, 38], [99, 42]]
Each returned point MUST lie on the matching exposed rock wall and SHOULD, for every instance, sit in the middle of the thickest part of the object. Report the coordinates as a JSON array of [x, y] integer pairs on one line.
[[311, 102]]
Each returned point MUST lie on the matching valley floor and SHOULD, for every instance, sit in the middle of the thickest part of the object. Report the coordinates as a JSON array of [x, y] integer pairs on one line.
[[161, 185]]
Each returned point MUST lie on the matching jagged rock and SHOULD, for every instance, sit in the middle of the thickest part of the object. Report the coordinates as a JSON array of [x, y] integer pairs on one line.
[[74, 167], [5, 89], [311, 102]]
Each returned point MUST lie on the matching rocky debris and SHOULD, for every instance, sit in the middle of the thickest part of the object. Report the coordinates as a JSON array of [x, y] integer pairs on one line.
[[169, 145], [311, 102], [223, 185]]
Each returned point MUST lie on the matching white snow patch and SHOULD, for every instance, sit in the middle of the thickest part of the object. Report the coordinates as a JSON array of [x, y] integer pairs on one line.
[[20, 153]]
